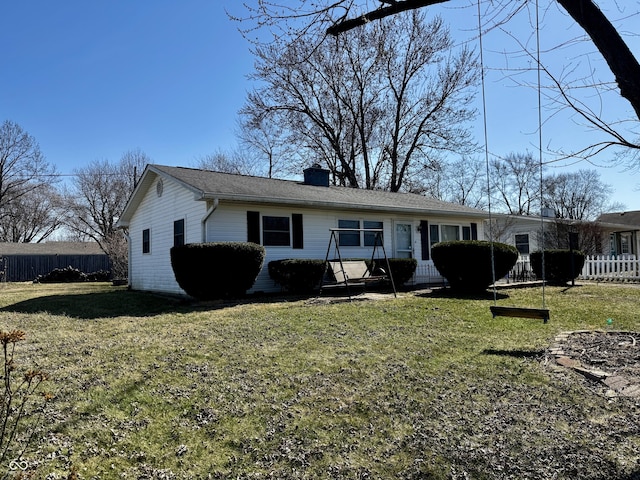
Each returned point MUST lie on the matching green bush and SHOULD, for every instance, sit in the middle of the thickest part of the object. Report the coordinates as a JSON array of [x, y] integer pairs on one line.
[[297, 275], [209, 271], [557, 265], [466, 264], [402, 269]]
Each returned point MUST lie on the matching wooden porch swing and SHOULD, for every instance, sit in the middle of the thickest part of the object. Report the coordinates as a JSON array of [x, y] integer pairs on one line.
[[354, 273]]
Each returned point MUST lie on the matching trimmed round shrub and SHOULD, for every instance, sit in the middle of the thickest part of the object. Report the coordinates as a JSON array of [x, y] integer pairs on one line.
[[557, 265], [466, 264], [209, 271], [402, 269], [297, 275]]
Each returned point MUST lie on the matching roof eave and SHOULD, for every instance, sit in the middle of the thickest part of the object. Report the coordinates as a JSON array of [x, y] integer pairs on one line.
[[336, 205]]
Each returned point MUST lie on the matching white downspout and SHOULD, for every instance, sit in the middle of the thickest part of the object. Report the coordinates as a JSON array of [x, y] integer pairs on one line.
[[129, 257], [210, 210]]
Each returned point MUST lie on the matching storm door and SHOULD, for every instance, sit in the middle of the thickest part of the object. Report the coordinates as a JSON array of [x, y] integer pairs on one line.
[[404, 242]]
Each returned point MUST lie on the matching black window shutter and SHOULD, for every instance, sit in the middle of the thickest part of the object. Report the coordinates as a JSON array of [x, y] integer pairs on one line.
[[474, 231], [424, 239], [296, 220], [253, 227]]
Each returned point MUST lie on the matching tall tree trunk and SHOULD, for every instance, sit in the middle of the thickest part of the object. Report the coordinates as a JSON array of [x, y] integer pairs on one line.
[[610, 44]]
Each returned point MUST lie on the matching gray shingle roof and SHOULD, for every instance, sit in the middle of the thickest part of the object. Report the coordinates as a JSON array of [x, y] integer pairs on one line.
[[50, 248], [271, 191], [631, 219]]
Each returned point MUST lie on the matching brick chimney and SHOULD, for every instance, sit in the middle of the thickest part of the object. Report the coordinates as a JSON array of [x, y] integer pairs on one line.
[[316, 175]]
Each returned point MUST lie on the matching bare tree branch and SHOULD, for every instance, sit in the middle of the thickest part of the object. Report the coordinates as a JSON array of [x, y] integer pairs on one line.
[[393, 9]]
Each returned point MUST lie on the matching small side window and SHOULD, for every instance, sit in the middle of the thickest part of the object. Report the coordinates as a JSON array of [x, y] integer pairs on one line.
[[522, 243], [146, 241], [178, 233]]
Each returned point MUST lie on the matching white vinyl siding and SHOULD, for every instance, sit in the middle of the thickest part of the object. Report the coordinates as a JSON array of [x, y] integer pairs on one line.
[[152, 271]]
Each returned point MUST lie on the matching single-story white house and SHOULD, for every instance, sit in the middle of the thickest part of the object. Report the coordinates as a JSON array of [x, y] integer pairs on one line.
[[291, 219]]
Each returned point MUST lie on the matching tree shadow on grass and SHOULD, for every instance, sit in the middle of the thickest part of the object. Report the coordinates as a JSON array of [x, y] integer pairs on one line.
[[132, 303], [515, 353], [450, 293], [117, 303]]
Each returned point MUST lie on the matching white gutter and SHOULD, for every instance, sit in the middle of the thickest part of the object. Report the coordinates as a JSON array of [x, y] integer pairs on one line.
[[338, 205], [129, 253]]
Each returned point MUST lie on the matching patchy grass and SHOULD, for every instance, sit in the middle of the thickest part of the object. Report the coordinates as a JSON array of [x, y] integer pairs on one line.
[[423, 386]]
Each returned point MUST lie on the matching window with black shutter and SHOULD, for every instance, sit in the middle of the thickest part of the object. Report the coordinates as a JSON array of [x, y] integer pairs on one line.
[[178, 233]]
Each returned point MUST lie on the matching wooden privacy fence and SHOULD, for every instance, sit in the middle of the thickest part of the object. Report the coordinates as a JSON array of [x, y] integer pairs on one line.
[[622, 268], [25, 268]]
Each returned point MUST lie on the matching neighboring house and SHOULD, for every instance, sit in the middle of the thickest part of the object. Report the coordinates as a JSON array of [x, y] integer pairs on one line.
[[23, 262], [624, 232], [292, 219], [617, 233], [521, 231]]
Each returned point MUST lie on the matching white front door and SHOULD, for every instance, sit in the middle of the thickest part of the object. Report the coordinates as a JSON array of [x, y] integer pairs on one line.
[[404, 242]]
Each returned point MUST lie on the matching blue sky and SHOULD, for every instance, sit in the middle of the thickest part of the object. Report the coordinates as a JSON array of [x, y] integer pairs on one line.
[[94, 79]]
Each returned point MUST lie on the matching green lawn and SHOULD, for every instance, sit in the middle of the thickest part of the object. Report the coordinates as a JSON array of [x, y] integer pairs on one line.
[[422, 386]]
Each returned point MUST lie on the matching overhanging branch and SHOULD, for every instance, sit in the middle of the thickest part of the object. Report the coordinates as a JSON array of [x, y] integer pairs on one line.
[[393, 8]]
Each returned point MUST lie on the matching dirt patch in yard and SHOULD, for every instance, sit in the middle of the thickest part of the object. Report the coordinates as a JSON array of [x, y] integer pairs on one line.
[[611, 358]]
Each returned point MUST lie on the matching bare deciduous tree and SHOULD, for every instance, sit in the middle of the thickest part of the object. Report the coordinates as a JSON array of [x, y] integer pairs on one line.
[[338, 16], [263, 142], [373, 107], [578, 195], [34, 217], [461, 181], [233, 162], [515, 184], [467, 182], [24, 175], [99, 194]]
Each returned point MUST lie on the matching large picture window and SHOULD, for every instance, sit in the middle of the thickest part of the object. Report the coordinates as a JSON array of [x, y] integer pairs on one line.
[[448, 233]]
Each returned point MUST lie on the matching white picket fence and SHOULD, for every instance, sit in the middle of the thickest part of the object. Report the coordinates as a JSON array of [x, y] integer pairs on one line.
[[601, 268], [611, 268], [427, 274]]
